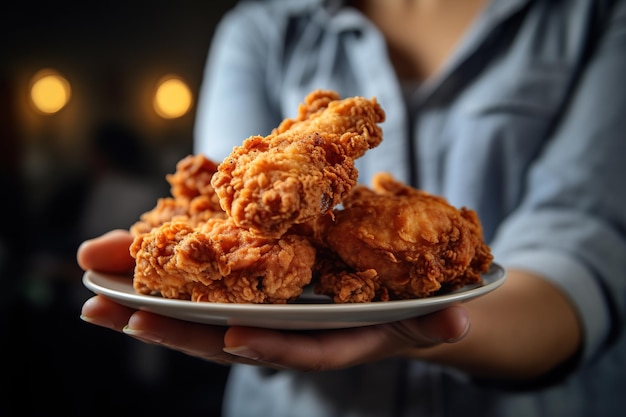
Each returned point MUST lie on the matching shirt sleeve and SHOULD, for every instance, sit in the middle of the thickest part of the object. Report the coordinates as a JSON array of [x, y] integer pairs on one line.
[[571, 227]]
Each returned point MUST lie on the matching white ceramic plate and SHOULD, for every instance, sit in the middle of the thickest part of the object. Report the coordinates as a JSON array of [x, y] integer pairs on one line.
[[310, 312]]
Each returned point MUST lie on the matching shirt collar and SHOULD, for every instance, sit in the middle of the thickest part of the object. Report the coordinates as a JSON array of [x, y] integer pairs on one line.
[[496, 13]]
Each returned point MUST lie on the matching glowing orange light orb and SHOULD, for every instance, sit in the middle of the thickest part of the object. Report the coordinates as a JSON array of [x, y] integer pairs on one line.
[[49, 91], [172, 98]]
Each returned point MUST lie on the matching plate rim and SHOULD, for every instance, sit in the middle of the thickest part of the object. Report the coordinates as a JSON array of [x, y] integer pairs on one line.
[[93, 281]]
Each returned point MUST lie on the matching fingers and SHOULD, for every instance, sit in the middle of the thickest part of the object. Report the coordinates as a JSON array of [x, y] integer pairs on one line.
[[199, 340], [109, 252], [194, 339], [336, 349], [307, 351], [301, 350], [101, 311]]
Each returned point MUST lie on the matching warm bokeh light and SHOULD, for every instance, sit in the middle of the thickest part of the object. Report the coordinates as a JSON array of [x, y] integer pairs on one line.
[[49, 91], [172, 98]]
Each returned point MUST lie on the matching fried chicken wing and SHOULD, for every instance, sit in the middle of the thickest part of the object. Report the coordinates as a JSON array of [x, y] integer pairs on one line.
[[303, 168], [193, 198], [221, 262], [396, 242]]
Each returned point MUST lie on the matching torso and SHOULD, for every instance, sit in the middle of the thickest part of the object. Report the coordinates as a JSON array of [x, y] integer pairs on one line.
[[421, 35]]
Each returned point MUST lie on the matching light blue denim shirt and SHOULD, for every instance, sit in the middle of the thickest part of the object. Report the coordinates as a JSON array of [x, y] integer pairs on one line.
[[526, 124]]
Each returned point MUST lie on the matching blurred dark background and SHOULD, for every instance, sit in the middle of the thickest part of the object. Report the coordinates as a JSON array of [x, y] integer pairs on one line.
[[65, 177]]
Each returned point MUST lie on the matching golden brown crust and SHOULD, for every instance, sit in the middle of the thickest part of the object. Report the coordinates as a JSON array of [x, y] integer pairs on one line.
[[261, 225], [303, 168], [413, 244], [221, 262], [193, 199]]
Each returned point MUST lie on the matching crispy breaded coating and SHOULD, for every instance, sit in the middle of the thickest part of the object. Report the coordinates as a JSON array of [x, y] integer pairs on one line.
[[303, 168], [397, 242], [193, 198], [221, 262], [265, 222]]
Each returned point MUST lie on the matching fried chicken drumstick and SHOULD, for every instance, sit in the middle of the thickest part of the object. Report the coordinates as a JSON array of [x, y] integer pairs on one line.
[[397, 242], [302, 169]]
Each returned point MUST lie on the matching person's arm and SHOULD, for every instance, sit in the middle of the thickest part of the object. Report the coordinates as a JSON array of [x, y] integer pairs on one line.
[[522, 330], [564, 246]]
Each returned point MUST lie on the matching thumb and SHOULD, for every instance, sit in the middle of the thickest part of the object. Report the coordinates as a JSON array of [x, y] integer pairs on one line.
[[445, 326], [336, 349]]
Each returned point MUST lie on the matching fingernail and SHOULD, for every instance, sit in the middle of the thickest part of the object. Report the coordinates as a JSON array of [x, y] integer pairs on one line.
[[142, 335], [243, 351], [102, 323]]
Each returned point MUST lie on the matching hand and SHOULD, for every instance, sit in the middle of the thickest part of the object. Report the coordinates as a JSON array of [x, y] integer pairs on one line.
[[302, 350]]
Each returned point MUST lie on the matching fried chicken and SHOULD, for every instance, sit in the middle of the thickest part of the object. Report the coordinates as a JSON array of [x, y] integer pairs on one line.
[[303, 168], [221, 262], [187, 248], [258, 227], [396, 242], [193, 198]]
